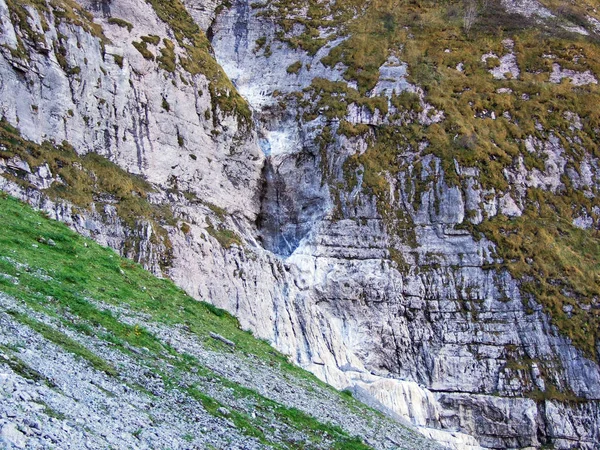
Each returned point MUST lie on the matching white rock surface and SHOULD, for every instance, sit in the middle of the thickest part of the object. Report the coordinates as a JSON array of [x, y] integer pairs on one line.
[[576, 78], [12, 436], [507, 63], [527, 8]]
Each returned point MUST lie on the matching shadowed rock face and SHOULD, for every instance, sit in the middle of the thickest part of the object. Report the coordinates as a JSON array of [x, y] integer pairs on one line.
[[293, 200], [278, 220], [102, 6], [410, 312]]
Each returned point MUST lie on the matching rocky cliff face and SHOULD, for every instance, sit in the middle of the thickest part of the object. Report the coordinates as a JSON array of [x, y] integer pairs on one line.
[[415, 297], [378, 255]]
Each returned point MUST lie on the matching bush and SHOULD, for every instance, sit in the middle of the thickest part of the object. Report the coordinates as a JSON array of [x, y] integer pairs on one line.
[[294, 68], [120, 22]]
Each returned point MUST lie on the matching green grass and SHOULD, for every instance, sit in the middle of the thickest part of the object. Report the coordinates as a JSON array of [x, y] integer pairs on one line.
[[225, 237], [142, 47], [151, 39], [54, 280], [80, 269], [19, 366], [313, 431], [167, 59], [118, 60], [294, 68], [120, 22], [51, 412]]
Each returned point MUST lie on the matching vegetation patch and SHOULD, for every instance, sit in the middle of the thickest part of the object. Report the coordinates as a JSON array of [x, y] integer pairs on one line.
[[167, 59], [151, 39], [488, 124], [319, 22], [67, 343], [142, 47], [294, 68], [20, 367], [120, 22], [118, 60], [89, 182], [79, 269], [557, 263], [225, 237]]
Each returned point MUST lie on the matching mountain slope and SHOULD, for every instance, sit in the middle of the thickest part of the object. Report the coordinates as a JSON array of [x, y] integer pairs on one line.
[[435, 182], [402, 196], [96, 350]]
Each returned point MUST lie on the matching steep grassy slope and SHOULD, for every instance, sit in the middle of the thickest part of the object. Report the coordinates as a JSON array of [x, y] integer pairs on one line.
[[113, 315], [88, 182]]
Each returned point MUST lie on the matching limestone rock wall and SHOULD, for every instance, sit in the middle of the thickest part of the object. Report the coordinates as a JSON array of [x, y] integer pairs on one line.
[[424, 327], [448, 340]]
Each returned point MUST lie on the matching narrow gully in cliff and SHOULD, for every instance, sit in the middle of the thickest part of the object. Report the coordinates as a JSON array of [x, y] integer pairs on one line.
[[293, 196]]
